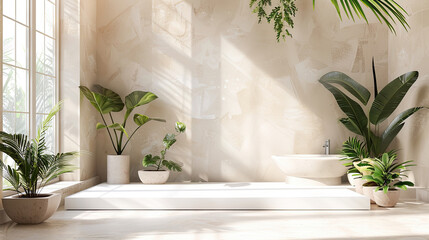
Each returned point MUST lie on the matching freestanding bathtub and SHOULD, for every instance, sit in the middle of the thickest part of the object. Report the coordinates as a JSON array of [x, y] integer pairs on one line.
[[311, 169]]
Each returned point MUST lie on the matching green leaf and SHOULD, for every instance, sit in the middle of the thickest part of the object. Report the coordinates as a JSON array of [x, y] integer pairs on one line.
[[136, 99], [140, 119], [169, 140], [148, 160], [395, 127], [350, 125], [172, 166], [100, 126], [100, 102], [114, 99], [351, 108], [180, 127], [353, 87], [390, 97], [119, 127]]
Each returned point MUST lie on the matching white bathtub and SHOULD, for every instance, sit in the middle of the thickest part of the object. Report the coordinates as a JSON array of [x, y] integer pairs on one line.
[[311, 169]]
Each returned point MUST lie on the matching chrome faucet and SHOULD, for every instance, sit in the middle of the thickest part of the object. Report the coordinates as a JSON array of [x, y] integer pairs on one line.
[[327, 146]]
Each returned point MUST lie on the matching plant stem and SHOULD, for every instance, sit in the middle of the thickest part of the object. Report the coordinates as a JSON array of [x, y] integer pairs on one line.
[[110, 135], [116, 135], [131, 137]]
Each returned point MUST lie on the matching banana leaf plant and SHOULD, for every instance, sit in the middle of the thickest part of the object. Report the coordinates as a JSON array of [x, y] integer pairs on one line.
[[106, 101], [385, 103], [387, 173], [34, 166]]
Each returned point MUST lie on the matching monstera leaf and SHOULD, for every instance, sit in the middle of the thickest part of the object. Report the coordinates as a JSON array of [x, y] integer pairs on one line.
[[101, 102], [114, 98]]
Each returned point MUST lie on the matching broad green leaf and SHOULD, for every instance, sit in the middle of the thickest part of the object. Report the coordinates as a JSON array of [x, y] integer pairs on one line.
[[148, 160], [169, 140], [351, 108], [395, 127], [350, 125], [101, 103], [114, 99], [355, 88], [141, 119], [390, 97], [100, 126], [138, 98]]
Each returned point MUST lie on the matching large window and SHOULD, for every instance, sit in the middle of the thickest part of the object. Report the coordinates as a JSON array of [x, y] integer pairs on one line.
[[29, 64]]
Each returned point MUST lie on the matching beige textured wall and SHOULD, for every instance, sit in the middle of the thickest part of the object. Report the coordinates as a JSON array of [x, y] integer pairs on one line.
[[78, 39], [243, 96], [409, 51]]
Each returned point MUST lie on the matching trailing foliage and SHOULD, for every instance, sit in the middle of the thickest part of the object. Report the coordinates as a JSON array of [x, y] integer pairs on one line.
[[281, 15], [159, 161], [34, 166], [282, 12], [106, 101], [384, 104], [387, 173]]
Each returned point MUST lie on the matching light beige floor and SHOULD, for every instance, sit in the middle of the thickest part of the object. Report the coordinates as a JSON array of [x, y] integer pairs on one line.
[[407, 221]]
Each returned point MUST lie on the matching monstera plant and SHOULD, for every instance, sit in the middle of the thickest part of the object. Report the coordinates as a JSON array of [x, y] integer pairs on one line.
[[367, 124], [282, 12], [106, 101]]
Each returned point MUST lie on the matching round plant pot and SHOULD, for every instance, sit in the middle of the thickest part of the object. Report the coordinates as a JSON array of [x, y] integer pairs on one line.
[[359, 182], [351, 178], [31, 210], [389, 199], [118, 169], [369, 192], [153, 177]]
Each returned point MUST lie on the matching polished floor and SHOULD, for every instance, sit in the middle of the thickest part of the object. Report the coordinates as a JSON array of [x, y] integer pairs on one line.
[[409, 220]]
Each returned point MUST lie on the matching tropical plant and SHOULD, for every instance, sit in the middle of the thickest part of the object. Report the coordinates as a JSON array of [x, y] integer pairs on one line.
[[158, 161], [105, 101], [354, 151], [387, 173], [283, 11], [385, 103], [34, 166]]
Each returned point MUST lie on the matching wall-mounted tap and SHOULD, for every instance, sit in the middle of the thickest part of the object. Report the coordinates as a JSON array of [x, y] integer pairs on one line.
[[327, 146]]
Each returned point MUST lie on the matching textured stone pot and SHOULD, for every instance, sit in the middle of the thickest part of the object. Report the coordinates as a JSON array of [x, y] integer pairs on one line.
[[369, 192], [118, 169], [389, 199], [153, 177], [31, 210]]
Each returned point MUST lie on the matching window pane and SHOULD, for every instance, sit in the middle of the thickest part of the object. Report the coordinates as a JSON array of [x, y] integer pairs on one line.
[[8, 41], [49, 99], [21, 123], [40, 106], [22, 11], [9, 122], [21, 94], [9, 8], [50, 134], [49, 18], [8, 88], [40, 15], [40, 53], [21, 46], [49, 56]]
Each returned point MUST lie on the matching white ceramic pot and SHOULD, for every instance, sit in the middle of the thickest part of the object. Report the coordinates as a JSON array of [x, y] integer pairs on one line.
[[369, 192], [351, 178], [118, 169], [31, 210], [359, 185], [153, 177], [389, 199]]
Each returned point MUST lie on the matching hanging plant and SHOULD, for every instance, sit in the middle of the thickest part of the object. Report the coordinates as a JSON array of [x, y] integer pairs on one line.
[[283, 12]]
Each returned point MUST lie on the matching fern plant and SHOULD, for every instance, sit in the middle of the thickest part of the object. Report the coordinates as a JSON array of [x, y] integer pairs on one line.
[[354, 151], [34, 165], [159, 161]]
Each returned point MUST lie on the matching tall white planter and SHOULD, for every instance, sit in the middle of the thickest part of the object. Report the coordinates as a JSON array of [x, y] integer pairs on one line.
[[118, 169]]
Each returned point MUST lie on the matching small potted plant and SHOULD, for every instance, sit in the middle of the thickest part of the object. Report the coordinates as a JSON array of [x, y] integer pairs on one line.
[[387, 173], [105, 101], [354, 151], [157, 174], [33, 168]]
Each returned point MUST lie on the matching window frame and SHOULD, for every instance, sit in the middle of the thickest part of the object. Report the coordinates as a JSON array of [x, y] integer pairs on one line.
[[32, 111]]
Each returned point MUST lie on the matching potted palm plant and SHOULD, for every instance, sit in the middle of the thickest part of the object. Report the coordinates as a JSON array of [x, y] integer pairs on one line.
[[105, 101], [387, 175], [156, 172], [34, 167]]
